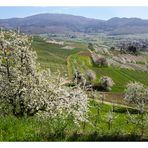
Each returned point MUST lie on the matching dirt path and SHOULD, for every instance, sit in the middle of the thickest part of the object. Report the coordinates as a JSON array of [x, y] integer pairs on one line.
[[115, 104]]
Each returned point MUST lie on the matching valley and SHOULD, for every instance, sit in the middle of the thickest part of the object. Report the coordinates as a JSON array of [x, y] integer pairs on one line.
[[71, 78], [56, 57]]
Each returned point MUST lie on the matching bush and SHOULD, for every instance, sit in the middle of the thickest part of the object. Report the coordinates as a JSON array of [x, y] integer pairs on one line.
[[78, 78], [136, 93], [90, 46], [90, 75], [106, 83], [99, 61]]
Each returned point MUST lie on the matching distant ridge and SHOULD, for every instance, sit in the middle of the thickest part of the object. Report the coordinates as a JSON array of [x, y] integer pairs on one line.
[[63, 23]]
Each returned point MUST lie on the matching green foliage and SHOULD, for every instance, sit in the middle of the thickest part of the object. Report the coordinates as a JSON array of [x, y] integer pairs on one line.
[[90, 46], [32, 129]]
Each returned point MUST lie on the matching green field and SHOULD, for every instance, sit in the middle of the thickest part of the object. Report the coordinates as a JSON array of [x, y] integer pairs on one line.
[[119, 75], [96, 129], [53, 56]]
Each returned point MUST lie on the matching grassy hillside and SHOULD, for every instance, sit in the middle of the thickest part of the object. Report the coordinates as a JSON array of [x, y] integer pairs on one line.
[[106, 120], [96, 129], [120, 76], [53, 56]]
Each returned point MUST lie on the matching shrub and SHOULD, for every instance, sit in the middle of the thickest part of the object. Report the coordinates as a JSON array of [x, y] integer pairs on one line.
[[106, 83], [78, 78], [90, 46], [99, 60], [136, 93], [90, 75], [132, 49], [112, 48]]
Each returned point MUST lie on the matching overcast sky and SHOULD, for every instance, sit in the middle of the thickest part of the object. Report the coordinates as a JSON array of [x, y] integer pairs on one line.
[[91, 12]]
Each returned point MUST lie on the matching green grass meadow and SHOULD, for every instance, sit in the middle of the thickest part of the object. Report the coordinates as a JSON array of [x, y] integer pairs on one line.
[[53, 56], [119, 75], [96, 129]]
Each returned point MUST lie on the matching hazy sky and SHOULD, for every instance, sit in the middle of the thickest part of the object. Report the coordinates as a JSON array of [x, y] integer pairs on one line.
[[91, 12]]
